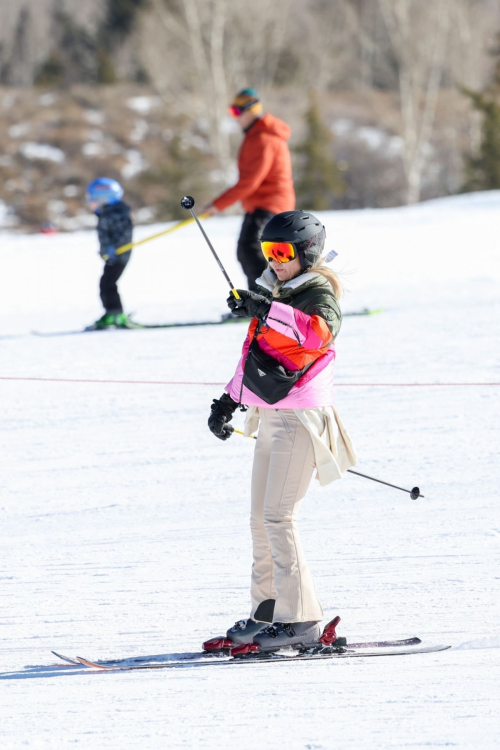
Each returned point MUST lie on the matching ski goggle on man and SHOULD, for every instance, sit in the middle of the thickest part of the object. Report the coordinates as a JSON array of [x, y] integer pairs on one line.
[[282, 252]]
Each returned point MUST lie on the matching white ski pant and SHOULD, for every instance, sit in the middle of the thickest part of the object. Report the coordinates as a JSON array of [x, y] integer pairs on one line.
[[282, 470]]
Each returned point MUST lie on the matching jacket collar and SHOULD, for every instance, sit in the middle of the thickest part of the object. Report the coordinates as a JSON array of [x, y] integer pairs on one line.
[[268, 280], [252, 124]]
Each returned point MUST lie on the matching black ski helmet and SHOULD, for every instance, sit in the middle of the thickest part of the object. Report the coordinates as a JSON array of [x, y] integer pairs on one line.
[[303, 230]]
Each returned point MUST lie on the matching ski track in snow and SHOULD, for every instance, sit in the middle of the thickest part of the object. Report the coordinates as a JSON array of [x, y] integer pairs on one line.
[[124, 523]]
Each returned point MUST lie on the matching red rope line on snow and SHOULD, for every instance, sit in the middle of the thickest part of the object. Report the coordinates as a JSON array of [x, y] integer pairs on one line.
[[187, 382]]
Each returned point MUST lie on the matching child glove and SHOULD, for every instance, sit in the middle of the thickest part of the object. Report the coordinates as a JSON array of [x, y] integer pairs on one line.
[[110, 254], [222, 411], [251, 305]]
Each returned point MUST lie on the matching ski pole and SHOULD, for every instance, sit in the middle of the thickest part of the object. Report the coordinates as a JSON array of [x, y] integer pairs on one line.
[[414, 493], [125, 248], [188, 202]]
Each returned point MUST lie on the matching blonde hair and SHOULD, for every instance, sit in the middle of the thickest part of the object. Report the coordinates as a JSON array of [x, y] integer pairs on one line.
[[277, 287], [329, 275]]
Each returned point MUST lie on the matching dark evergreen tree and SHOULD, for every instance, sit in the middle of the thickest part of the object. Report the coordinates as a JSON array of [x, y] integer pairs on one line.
[[319, 180], [121, 15], [482, 170], [51, 72]]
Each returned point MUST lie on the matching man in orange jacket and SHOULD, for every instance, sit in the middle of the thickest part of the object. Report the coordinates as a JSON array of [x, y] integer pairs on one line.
[[265, 184]]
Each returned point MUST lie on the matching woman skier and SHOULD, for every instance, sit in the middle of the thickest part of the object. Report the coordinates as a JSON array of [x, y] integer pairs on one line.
[[285, 378]]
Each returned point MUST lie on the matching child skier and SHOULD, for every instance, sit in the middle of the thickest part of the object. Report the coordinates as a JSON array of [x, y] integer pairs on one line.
[[285, 377], [114, 229]]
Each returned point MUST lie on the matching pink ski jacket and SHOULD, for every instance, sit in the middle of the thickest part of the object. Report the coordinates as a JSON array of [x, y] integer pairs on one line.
[[296, 339]]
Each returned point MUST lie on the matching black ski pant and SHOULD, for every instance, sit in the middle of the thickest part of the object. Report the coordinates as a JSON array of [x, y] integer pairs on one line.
[[248, 250], [108, 288]]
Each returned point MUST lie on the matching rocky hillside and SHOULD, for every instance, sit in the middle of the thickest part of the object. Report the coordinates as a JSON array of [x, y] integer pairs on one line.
[[52, 143]]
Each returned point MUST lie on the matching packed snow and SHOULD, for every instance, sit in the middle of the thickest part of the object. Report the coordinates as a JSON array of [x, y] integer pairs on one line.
[[124, 523], [134, 165], [42, 151], [143, 104]]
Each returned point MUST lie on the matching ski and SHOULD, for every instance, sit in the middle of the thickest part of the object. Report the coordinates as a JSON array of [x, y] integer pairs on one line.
[[386, 644], [67, 659], [284, 655], [196, 323], [364, 311], [210, 655], [233, 319], [225, 320], [133, 326]]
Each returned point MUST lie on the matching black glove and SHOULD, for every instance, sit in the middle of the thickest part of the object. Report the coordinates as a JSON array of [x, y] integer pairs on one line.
[[251, 305], [222, 411]]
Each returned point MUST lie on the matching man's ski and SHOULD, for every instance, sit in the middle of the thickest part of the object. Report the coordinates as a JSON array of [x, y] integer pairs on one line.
[[233, 319], [133, 326], [282, 656], [364, 311]]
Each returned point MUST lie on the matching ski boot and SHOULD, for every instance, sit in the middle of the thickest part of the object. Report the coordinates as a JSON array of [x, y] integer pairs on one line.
[[302, 636], [281, 634], [110, 320], [243, 631], [121, 320]]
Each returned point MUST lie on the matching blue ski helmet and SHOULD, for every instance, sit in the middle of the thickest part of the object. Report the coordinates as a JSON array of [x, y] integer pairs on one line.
[[105, 191]]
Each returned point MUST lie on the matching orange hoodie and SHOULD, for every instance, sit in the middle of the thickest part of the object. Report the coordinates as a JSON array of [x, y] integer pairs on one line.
[[265, 169]]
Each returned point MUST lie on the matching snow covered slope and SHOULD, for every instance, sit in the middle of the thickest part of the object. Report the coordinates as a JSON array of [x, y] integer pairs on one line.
[[124, 522]]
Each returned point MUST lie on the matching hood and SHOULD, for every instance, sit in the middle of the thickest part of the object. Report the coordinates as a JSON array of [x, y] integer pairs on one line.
[[272, 125]]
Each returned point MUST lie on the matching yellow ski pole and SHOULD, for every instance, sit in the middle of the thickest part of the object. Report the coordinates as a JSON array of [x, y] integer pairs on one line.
[[130, 245], [188, 202], [242, 433]]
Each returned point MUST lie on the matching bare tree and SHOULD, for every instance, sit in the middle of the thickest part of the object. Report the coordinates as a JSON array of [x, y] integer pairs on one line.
[[27, 35], [419, 43], [184, 50], [323, 39], [470, 65], [198, 53]]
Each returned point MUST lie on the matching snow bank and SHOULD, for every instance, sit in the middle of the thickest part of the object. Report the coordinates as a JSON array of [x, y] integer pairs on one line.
[[43, 151], [124, 524]]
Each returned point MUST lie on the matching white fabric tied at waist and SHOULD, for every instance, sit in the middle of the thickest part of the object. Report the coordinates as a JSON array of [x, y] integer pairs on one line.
[[334, 452]]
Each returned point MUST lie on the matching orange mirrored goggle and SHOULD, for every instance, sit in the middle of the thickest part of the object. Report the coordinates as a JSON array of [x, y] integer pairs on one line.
[[235, 111], [283, 252]]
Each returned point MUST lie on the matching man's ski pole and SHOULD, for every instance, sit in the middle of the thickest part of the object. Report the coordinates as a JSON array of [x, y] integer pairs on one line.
[[130, 245], [188, 202], [414, 493]]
